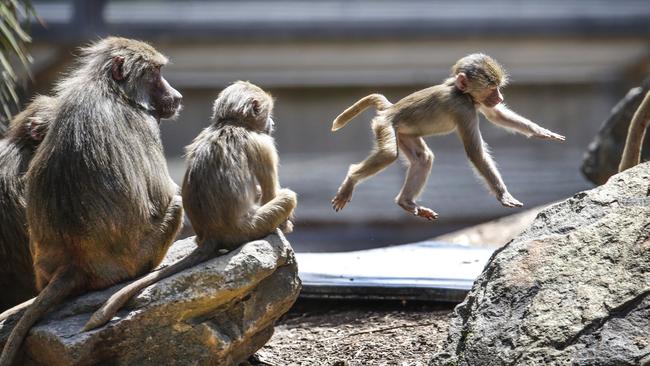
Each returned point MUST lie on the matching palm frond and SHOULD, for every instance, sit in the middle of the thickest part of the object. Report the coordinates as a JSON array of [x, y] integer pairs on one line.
[[13, 51]]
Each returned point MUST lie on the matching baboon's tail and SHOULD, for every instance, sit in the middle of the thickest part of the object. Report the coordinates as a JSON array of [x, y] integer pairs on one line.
[[121, 297], [635, 135], [377, 100], [64, 281]]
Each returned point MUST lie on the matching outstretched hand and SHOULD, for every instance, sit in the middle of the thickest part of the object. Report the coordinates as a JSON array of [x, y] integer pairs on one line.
[[507, 200], [545, 134]]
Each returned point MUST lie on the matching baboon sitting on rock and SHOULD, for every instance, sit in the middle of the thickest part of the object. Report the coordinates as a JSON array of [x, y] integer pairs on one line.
[[101, 206]]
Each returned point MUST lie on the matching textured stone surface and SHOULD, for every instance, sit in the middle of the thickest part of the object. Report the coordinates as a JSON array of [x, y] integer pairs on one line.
[[216, 313], [604, 152], [572, 289]]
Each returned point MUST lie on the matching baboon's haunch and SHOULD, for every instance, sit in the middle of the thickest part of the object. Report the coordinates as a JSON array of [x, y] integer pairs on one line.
[[473, 86], [225, 163], [17, 148], [101, 206], [635, 135]]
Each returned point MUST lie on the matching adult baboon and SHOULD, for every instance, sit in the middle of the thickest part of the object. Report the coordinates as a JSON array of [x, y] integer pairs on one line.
[[225, 164], [101, 206], [25, 133], [473, 86]]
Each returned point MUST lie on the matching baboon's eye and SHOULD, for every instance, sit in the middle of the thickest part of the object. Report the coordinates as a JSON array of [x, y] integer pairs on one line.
[[156, 70]]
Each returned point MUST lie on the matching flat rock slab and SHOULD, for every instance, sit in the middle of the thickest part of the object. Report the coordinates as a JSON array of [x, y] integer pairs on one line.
[[428, 270], [216, 313], [572, 289]]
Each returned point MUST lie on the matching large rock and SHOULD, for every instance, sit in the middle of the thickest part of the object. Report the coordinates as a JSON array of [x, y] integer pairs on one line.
[[217, 313], [604, 152], [572, 289]]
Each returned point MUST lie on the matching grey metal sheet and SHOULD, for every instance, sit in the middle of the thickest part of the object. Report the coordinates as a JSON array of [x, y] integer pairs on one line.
[[427, 270]]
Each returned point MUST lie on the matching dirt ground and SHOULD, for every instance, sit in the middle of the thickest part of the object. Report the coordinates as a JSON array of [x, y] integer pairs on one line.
[[336, 333]]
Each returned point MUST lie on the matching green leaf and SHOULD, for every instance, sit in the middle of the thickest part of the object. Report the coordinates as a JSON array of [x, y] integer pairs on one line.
[[7, 66], [13, 23], [9, 37], [13, 40]]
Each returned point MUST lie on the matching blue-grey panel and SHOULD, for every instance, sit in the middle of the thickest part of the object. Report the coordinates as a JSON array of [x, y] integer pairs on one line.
[[421, 271]]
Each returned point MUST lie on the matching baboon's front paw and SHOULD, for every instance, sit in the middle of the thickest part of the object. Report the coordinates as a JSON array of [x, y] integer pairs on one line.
[[343, 196], [545, 134], [508, 201], [338, 202]]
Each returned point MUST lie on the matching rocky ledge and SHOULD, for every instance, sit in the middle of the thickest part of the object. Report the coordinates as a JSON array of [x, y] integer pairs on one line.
[[572, 289], [216, 313]]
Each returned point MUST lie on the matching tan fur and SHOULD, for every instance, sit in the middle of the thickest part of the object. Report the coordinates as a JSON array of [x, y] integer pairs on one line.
[[101, 206], [226, 162], [377, 100], [635, 136], [441, 109], [481, 69]]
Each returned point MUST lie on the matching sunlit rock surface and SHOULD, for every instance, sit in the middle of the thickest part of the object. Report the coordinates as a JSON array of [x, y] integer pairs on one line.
[[216, 313], [572, 289]]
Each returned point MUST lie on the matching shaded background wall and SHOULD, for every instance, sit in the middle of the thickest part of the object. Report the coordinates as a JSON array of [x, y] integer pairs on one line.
[[570, 61]]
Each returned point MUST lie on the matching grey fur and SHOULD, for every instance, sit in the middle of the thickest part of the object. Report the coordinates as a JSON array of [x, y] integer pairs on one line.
[[16, 151], [101, 205], [225, 163]]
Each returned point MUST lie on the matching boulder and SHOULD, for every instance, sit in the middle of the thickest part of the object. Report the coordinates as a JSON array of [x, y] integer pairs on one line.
[[604, 152], [216, 313], [572, 289]]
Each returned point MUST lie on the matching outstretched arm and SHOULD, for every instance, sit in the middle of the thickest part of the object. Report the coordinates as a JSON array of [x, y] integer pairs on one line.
[[477, 153], [503, 116]]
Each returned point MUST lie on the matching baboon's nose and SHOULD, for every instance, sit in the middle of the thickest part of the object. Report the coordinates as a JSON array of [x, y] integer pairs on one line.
[[177, 97]]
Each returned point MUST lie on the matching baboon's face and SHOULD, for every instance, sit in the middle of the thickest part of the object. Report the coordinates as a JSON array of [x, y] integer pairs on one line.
[[150, 86], [165, 99], [488, 96]]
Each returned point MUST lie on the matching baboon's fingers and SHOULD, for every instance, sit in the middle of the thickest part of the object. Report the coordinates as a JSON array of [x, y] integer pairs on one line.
[[508, 201], [338, 203], [545, 134]]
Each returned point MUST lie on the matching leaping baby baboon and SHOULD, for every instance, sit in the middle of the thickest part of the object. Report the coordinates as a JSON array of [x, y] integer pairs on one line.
[[25, 133], [101, 206], [225, 163], [451, 106]]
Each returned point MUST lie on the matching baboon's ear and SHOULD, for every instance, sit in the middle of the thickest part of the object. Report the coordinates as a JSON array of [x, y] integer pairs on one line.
[[461, 81], [256, 107], [116, 69]]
